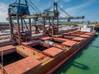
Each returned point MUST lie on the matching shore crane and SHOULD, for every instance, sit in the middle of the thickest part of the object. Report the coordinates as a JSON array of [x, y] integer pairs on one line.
[[16, 11], [21, 20]]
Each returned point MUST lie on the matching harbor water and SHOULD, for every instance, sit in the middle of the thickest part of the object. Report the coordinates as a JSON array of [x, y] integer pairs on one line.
[[85, 62]]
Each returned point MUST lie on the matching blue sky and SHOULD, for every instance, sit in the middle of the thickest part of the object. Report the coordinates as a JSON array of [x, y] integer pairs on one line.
[[87, 8]]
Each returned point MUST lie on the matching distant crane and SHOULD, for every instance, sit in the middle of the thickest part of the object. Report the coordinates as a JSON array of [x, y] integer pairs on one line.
[[67, 17]]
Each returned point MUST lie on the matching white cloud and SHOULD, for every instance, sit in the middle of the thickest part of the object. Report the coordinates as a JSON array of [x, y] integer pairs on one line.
[[80, 7], [3, 12]]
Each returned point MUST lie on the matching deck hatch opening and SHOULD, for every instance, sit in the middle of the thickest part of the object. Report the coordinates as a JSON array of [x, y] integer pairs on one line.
[[39, 47], [10, 58]]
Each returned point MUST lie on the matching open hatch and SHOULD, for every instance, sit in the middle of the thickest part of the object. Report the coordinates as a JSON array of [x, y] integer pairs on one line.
[[10, 58]]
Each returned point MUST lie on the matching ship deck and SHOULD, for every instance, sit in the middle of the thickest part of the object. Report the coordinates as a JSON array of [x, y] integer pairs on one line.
[[44, 55]]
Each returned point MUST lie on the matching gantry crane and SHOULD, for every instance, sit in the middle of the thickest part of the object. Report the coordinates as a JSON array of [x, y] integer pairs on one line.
[[67, 16], [21, 20], [16, 11]]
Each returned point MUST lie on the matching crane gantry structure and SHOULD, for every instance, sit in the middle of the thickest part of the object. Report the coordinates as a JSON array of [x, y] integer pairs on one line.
[[21, 20]]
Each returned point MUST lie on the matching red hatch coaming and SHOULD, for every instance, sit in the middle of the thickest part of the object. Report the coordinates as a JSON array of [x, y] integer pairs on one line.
[[88, 33], [78, 39], [69, 43], [7, 49], [53, 51], [22, 66], [85, 36], [60, 39]]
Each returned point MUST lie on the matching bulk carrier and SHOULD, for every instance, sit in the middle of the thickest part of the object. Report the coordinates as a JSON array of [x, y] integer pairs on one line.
[[39, 49]]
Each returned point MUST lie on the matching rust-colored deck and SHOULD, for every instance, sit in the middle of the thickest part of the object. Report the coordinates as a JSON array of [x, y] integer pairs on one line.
[[7, 49], [48, 60], [22, 66]]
